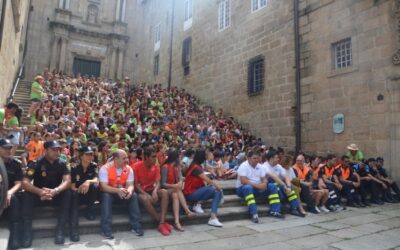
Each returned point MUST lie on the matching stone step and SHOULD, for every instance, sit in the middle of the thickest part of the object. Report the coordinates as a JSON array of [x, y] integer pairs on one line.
[[44, 228], [51, 212]]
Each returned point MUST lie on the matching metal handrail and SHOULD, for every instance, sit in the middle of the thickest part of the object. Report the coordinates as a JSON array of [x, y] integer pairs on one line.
[[17, 80]]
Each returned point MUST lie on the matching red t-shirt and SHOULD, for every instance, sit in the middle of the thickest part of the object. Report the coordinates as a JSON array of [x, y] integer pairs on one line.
[[146, 177]]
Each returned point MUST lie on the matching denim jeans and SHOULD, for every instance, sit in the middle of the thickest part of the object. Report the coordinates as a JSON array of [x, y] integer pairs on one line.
[[206, 193], [106, 211]]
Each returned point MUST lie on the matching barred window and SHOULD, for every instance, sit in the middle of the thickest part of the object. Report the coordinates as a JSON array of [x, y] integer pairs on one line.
[[258, 4], [157, 37], [156, 65], [186, 54], [224, 14], [255, 83], [187, 24], [342, 53]]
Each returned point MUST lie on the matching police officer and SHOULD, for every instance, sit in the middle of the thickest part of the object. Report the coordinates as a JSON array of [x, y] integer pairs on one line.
[[84, 186], [14, 174], [51, 185]]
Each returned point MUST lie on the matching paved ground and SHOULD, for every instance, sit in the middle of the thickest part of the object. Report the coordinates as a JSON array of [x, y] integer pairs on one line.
[[374, 228]]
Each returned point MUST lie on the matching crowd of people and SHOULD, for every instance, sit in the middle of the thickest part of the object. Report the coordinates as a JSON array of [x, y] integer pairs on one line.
[[115, 142]]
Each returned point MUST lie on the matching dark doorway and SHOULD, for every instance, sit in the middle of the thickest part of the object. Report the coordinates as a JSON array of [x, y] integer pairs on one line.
[[86, 67]]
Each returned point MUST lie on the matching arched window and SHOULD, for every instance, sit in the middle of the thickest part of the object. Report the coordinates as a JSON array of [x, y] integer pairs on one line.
[[92, 13]]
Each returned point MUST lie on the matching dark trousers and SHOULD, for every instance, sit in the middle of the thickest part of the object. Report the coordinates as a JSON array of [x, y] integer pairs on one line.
[[369, 187], [88, 199], [107, 200], [62, 201], [13, 212], [305, 196], [334, 195]]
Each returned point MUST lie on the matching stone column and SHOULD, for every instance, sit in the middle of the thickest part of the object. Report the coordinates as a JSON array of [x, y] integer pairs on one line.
[[67, 4], [120, 63], [54, 53], [117, 17], [60, 4], [63, 53], [112, 64], [123, 10]]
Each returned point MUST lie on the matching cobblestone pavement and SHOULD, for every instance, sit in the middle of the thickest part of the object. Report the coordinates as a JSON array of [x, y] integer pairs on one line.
[[376, 227]]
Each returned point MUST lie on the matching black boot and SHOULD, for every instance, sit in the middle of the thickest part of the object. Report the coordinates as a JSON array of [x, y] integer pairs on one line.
[[59, 238], [26, 234], [13, 243]]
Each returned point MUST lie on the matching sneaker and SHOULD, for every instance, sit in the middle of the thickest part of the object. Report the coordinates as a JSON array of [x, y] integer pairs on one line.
[[169, 226], [197, 208], [317, 209], [324, 209], [276, 215], [108, 235], [163, 229], [340, 208], [138, 232], [296, 212], [332, 208], [254, 218], [214, 223]]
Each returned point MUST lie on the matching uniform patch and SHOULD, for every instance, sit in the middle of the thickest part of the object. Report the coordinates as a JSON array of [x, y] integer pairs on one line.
[[44, 174], [78, 177], [31, 172]]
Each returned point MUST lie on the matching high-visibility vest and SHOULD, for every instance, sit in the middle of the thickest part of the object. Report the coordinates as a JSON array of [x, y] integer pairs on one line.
[[118, 181]]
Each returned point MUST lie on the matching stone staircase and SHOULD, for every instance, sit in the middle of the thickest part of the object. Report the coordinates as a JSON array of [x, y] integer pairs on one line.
[[44, 221]]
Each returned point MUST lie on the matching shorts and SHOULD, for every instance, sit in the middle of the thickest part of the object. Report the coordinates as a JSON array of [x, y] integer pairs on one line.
[[35, 100]]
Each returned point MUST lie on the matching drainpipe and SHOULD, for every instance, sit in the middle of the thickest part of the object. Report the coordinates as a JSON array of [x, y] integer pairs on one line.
[[170, 45], [298, 79]]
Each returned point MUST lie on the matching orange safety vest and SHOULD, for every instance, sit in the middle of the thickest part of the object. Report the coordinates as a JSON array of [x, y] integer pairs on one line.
[[344, 172], [329, 172], [118, 181], [301, 173]]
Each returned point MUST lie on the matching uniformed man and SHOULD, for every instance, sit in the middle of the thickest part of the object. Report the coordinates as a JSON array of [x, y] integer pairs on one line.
[[386, 179], [368, 183], [271, 159], [116, 182], [14, 174], [327, 173], [350, 181], [252, 182], [51, 185], [84, 186]]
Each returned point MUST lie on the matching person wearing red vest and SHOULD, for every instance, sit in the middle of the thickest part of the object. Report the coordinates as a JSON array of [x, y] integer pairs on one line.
[[171, 180], [147, 184], [195, 189], [117, 183]]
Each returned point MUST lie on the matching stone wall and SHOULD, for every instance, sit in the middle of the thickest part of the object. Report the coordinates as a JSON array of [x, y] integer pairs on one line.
[[12, 45], [360, 92]]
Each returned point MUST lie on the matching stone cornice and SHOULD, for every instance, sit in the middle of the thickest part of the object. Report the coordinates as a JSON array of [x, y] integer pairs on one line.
[[84, 32]]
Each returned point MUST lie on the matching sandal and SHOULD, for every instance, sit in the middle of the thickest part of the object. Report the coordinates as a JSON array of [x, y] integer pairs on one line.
[[178, 227], [191, 215]]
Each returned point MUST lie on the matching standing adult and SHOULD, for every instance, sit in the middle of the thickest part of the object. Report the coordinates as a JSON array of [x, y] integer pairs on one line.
[[37, 94]]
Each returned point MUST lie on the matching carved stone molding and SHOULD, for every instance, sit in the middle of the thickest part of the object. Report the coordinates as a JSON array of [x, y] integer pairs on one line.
[[396, 56]]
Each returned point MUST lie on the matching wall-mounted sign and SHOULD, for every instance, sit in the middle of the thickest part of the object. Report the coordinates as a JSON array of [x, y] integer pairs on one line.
[[338, 123]]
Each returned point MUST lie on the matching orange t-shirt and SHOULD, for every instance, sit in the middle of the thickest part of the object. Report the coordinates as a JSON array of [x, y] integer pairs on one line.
[[36, 150], [146, 177]]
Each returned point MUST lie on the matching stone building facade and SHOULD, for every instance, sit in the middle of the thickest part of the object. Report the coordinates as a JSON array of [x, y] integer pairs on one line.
[[349, 67], [93, 37], [13, 27]]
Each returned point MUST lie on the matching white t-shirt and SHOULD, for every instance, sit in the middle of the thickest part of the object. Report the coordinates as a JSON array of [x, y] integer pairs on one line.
[[254, 174], [277, 169], [290, 174]]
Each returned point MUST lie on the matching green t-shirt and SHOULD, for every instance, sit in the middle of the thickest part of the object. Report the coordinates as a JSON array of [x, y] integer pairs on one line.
[[12, 121], [36, 86], [2, 116], [357, 157]]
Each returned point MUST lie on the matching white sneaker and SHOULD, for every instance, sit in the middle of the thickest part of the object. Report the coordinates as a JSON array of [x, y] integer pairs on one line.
[[197, 209], [214, 223], [317, 209], [324, 209]]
